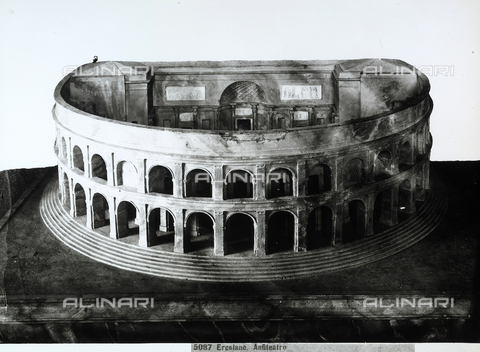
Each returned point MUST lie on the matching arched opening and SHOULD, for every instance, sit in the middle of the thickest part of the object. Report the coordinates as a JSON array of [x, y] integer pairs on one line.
[[319, 179], [279, 183], [78, 158], [280, 232], [160, 180], [383, 165], [99, 168], [101, 214], [80, 201], [354, 173], [127, 224], [239, 185], [199, 184], [64, 148], [405, 201], [66, 192], [127, 174], [320, 228], [161, 229], [382, 213], [405, 156], [199, 232], [239, 233], [353, 221]]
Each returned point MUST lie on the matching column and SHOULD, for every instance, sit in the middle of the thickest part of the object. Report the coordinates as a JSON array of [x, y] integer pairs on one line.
[[394, 206], [73, 203], [338, 178], [163, 220], [216, 122], [87, 162], [370, 205], [217, 183], [260, 181], [112, 179], [338, 224], [70, 153], [180, 243], [334, 226], [411, 206], [300, 243], [420, 185], [195, 113], [141, 220], [219, 234], [178, 183], [142, 185], [60, 184], [301, 177], [255, 123], [112, 209], [311, 121], [291, 113], [426, 175], [89, 208], [370, 171], [176, 113], [260, 238]]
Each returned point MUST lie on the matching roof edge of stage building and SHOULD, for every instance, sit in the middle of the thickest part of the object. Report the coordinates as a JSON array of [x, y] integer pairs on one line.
[[290, 107]]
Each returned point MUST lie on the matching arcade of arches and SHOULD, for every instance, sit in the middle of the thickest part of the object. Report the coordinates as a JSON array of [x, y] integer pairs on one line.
[[259, 232]]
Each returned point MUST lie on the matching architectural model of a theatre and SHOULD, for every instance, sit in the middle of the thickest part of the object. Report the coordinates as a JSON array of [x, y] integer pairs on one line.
[[241, 166]]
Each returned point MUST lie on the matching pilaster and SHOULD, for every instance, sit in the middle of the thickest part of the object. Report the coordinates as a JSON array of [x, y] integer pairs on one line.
[[180, 243], [300, 242], [219, 234], [260, 240], [218, 183]]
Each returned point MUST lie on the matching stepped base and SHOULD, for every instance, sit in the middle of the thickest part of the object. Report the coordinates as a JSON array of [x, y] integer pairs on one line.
[[152, 261]]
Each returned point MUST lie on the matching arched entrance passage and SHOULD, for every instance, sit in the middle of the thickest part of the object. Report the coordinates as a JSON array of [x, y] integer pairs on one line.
[[199, 232], [239, 234], [279, 183], [127, 174], [99, 168], [80, 201], [354, 173], [161, 229], [239, 185], [353, 221], [160, 180], [66, 192], [319, 179], [199, 184], [382, 213], [281, 232], [126, 220], [78, 158], [320, 228], [101, 214], [406, 204]]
